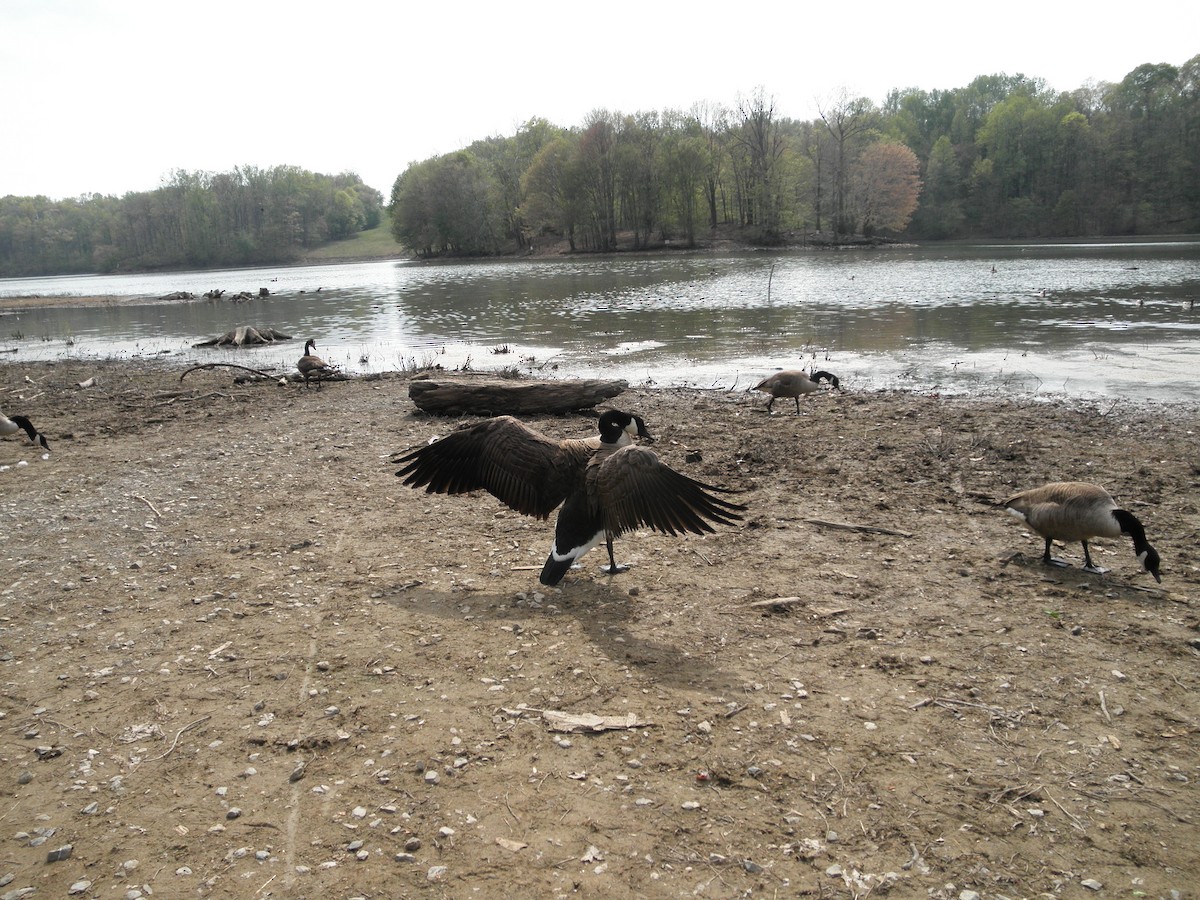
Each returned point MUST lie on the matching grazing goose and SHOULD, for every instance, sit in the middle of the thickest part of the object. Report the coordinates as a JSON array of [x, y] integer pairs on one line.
[[793, 384], [1079, 511], [16, 423], [312, 366], [606, 486]]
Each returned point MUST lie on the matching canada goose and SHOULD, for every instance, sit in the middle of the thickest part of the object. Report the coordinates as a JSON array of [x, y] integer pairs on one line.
[[606, 486], [312, 366], [1079, 511], [12, 426], [793, 384]]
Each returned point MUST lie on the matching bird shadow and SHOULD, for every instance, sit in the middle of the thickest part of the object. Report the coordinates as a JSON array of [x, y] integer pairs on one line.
[[604, 613]]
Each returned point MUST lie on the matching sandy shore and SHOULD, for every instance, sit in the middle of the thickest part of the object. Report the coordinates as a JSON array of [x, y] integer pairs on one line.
[[240, 659]]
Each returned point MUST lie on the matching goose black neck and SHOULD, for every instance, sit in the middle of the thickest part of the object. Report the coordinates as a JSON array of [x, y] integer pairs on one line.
[[1131, 526]]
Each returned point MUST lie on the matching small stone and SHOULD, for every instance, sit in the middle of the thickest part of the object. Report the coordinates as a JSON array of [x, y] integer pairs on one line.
[[234, 812], [834, 871], [79, 887], [405, 858], [354, 845], [130, 864], [689, 804], [62, 853], [436, 873], [1091, 884], [751, 867], [362, 855], [431, 776], [968, 895], [446, 831], [413, 844], [359, 812], [25, 777], [183, 871]]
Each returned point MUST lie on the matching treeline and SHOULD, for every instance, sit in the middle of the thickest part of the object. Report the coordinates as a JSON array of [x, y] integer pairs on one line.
[[1002, 157], [249, 216]]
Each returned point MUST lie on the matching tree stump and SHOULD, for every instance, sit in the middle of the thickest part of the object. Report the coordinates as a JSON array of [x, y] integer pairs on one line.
[[245, 335], [482, 396]]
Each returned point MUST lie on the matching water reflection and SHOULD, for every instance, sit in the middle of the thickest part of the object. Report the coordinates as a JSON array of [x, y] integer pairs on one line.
[[1096, 319]]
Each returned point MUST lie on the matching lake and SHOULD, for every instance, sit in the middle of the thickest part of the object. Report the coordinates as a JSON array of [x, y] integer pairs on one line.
[[1084, 320]]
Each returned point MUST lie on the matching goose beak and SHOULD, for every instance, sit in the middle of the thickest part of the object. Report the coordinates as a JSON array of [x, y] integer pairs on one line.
[[641, 430]]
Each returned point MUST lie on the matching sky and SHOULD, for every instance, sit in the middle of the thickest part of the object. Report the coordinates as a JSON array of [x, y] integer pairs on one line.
[[113, 96]]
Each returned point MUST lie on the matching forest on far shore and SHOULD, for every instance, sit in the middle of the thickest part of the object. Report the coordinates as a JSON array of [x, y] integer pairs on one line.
[[1003, 157]]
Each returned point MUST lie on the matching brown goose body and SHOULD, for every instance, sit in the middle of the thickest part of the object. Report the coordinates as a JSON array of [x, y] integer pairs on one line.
[[20, 423], [793, 383], [606, 486], [312, 366], [1080, 511]]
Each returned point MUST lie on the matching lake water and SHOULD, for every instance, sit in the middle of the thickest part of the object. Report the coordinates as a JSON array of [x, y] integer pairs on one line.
[[1095, 320]]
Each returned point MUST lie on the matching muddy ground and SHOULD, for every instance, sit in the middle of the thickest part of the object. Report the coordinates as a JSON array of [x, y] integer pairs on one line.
[[240, 659]]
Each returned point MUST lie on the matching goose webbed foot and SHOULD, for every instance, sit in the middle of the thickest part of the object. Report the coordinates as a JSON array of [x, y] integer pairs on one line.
[[1055, 561], [613, 569], [1096, 570]]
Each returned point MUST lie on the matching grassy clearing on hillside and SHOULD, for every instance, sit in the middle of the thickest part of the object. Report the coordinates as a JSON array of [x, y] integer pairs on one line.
[[377, 243]]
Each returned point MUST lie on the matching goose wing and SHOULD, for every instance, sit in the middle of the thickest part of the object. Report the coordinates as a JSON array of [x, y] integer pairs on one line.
[[522, 468], [634, 488]]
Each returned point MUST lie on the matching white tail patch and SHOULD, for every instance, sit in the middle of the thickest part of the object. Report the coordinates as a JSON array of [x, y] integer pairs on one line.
[[573, 553]]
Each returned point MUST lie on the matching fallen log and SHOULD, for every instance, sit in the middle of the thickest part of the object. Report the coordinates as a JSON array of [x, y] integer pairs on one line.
[[482, 396]]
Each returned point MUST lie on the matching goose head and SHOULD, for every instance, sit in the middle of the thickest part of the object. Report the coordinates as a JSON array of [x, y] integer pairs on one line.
[[1148, 557], [613, 422], [309, 346]]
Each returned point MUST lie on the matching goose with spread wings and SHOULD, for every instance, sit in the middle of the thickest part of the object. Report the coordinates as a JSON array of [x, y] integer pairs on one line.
[[606, 485]]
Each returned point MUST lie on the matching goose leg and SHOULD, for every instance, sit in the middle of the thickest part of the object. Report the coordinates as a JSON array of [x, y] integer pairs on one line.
[[1088, 565], [1053, 560], [612, 568], [797, 405]]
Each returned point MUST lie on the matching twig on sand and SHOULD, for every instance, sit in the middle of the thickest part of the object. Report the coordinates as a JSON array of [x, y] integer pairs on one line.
[[148, 503], [227, 366], [177, 736], [848, 526]]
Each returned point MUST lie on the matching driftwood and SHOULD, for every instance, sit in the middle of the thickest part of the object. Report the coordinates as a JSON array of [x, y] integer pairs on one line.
[[473, 395], [245, 334], [224, 366], [866, 529]]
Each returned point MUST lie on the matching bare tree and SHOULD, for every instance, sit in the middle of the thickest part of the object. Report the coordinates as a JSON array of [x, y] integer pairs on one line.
[[846, 120], [758, 134]]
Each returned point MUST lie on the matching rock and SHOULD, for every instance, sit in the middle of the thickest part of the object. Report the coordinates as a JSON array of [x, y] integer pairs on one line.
[[1092, 884], [62, 853], [79, 887]]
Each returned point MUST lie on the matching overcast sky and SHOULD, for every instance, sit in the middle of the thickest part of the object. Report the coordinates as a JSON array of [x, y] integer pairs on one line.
[[110, 96]]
